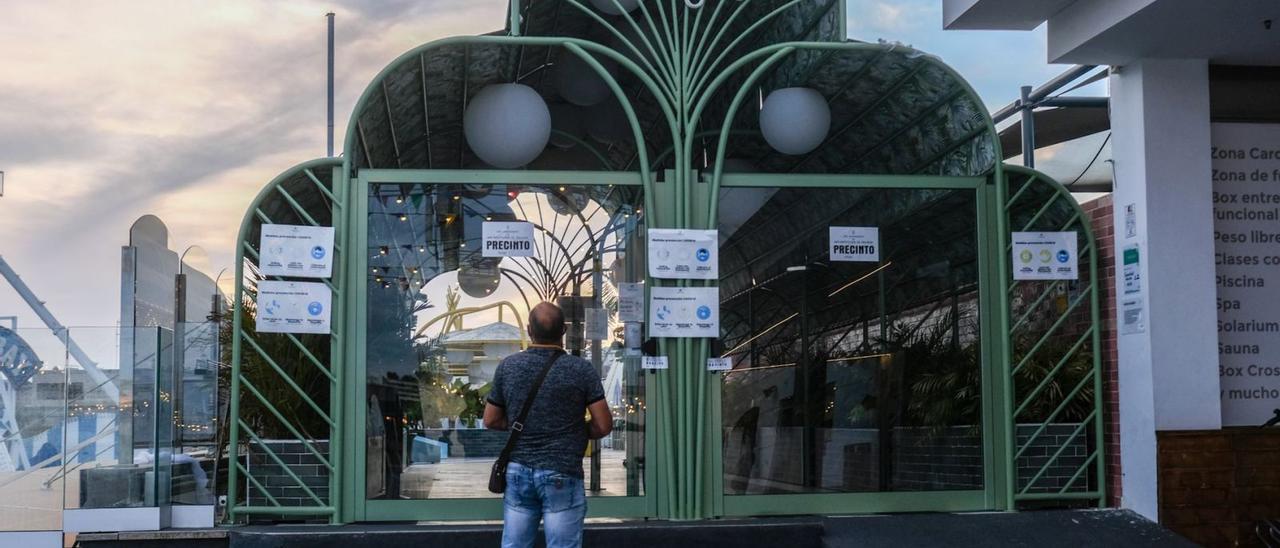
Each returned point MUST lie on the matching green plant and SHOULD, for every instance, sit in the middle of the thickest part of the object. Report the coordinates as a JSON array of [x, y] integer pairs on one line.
[[436, 399], [472, 399]]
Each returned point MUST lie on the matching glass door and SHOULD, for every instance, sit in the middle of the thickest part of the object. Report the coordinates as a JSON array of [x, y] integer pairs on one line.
[[854, 321], [442, 310]]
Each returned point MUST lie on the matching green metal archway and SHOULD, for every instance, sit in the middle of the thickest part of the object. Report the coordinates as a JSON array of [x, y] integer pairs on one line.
[[680, 77]]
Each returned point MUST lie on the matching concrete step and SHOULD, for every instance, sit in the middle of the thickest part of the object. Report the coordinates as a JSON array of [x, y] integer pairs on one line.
[[1038, 529], [796, 533]]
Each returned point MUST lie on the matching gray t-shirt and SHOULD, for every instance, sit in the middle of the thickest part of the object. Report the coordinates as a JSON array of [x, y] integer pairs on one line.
[[555, 434]]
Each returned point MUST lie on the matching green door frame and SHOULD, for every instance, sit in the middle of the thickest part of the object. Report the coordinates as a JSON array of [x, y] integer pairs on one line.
[[647, 505], [353, 485], [993, 428]]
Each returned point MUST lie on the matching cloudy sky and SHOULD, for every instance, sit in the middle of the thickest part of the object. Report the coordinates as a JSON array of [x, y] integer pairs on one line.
[[184, 109]]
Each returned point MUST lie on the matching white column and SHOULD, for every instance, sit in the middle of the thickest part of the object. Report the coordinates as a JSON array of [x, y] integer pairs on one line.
[[1168, 371]]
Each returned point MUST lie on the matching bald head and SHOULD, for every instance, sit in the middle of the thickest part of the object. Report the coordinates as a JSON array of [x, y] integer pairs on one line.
[[546, 324]]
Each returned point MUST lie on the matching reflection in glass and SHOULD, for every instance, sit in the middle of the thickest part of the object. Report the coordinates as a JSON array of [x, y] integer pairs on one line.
[[850, 376], [441, 316]]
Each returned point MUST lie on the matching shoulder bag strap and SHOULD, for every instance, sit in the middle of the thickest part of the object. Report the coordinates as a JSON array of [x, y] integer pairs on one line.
[[517, 426]]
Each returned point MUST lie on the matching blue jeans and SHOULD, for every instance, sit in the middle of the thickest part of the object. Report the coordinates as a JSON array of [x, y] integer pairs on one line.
[[555, 498]]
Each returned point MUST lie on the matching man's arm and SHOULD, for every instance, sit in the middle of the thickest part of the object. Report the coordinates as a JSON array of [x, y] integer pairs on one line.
[[601, 419], [495, 418]]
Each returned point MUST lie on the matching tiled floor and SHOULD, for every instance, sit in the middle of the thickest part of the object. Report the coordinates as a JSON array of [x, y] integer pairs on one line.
[[467, 478]]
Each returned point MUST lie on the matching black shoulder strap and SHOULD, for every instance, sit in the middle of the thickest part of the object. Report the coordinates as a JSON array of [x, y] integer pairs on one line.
[[517, 426]]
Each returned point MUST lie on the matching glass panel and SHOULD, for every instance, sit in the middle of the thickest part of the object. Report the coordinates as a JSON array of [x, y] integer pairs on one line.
[[850, 376], [441, 316], [118, 438], [33, 396], [196, 387]]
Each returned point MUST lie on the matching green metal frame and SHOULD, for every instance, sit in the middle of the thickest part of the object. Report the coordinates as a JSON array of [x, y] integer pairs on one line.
[[1023, 489], [988, 498], [679, 58], [246, 250], [355, 386]]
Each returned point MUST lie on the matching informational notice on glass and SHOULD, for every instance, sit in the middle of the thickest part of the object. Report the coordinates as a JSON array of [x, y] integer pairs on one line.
[[507, 239], [633, 338], [680, 254], [1246, 204], [597, 324], [684, 312], [296, 251], [293, 307], [655, 362], [1045, 256], [630, 302], [719, 364], [854, 244]]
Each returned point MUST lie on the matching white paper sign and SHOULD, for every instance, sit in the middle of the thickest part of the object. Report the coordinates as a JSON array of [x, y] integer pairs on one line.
[[854, 244], [632, 338], [679, 254], [631, 302], [293, 307], [597, 324], [655, 362], [1045, 256], [1132, 270], [719, 364], [1133, 316], [296, 251], [507, 239], [684, 312]]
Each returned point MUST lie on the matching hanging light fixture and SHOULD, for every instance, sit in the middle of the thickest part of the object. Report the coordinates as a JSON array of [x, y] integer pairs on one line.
[[611, 8], [578, 83], [507, 125], [795, 120]]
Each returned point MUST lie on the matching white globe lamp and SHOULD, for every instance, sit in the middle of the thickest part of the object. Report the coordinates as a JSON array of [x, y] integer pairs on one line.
[[609, 7], [578, 83], [507, 125], [795, 120]]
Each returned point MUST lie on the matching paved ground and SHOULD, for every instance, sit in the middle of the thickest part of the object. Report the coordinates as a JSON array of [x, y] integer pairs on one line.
[[1043, 529], [26, 505]]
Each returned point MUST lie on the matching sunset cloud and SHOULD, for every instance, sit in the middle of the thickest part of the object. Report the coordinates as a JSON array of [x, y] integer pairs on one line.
[[184, 109]]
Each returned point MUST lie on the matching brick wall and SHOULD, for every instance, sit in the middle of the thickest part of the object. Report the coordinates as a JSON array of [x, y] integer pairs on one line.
[[1100, 215], [1055, 438], [1214, 486], [272, 476]]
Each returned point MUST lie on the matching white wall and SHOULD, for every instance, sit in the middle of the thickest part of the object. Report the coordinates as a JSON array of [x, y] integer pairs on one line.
[[1168, 373]]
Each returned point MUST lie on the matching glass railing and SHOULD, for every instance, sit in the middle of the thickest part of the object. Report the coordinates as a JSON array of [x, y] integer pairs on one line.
[[105, 418]]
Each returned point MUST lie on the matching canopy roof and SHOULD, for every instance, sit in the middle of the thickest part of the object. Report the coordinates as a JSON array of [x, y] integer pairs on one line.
[[497, 332], [895, 110]]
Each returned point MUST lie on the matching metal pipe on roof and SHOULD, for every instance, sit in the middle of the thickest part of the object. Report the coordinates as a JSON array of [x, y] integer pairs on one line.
[[1075, 102], [1043, 91], [329, 16], [1028, 129]]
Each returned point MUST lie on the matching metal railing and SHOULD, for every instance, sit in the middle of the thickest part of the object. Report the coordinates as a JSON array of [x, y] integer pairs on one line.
[[1055, 352], [308, 194]]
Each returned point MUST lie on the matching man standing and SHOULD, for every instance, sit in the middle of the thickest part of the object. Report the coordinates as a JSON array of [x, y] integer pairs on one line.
[[544, 478]]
